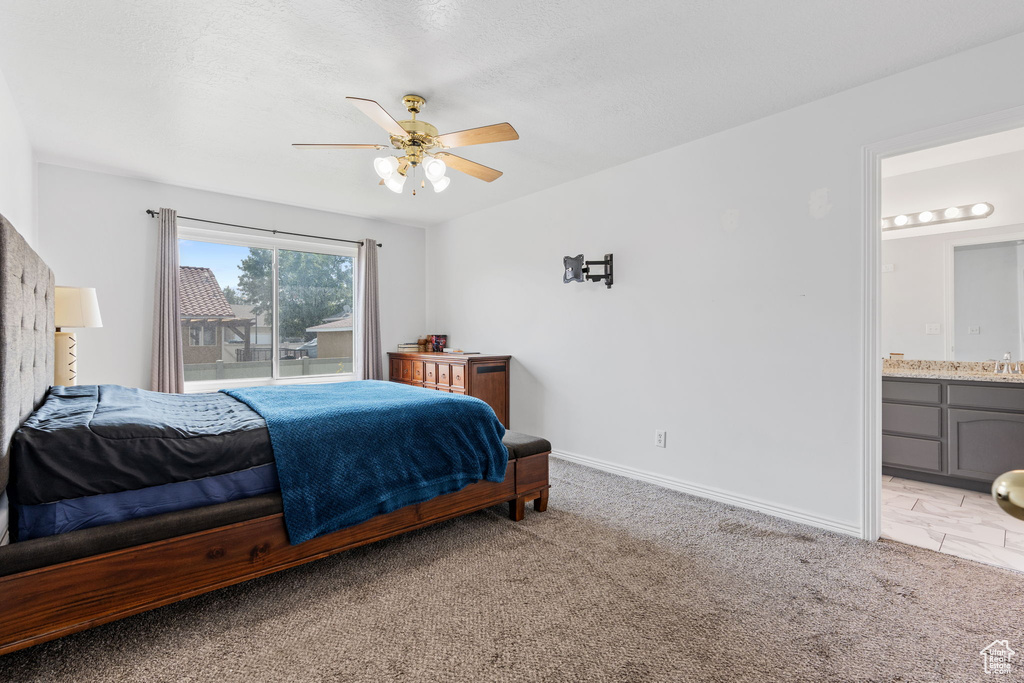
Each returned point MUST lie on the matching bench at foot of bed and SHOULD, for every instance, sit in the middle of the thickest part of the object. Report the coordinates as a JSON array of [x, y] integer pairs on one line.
[[517, 507], [75, 593]]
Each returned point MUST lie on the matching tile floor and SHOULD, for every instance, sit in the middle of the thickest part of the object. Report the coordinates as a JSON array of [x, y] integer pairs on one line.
[[967, 524]]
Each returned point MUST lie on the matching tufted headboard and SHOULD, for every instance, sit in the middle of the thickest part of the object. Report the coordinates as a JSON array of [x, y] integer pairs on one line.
[[26, 342]]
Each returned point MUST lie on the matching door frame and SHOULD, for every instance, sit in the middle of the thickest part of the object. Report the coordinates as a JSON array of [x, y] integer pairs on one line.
[[871, 469]]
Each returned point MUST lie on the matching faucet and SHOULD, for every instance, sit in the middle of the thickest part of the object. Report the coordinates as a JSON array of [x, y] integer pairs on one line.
[[1004, 367]]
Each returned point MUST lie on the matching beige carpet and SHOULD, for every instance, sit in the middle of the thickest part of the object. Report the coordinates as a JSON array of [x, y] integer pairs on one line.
[[618, 581]]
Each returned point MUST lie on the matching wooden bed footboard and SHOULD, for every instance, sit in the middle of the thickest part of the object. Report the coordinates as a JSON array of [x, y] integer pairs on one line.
[[50, 602]]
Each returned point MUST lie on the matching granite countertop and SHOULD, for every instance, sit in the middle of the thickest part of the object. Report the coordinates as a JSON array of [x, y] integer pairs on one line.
[[939, 369]]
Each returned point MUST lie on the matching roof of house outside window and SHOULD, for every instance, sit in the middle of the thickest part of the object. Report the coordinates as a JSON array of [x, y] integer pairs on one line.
[[244, 312], [201, 295], [336, 325]]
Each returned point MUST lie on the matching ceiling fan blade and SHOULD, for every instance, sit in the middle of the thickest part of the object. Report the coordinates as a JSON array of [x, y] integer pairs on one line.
[[339, 146], [379, 116], [469, 167], [499, 132]]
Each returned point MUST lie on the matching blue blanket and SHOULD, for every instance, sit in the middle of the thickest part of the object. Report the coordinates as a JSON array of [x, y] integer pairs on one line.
[[349, 451]]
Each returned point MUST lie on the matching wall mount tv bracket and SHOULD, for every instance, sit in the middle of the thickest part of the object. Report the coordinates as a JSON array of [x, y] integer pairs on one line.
[[578, 270]]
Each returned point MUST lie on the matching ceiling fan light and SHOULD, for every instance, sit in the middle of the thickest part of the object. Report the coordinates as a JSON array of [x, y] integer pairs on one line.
[[385, 166], [395, 183], [434, 169], [440, 184]]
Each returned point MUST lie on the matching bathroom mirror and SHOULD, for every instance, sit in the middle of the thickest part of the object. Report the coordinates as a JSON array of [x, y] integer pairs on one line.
[[946, 297]]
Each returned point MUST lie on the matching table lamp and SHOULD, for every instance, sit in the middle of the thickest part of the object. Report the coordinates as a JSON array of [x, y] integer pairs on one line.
[[72, 307]]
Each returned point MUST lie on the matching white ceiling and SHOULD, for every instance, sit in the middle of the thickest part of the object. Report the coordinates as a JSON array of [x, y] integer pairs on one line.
[[971, 149], [211, 94]]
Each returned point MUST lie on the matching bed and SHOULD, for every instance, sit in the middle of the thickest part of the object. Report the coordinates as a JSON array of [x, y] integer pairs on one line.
[[59, 584]]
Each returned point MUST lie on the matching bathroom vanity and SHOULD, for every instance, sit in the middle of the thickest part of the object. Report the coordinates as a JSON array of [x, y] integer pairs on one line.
[[952, 428]]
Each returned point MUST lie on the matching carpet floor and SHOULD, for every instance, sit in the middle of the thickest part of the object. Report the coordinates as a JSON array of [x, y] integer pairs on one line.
[[618, 581]]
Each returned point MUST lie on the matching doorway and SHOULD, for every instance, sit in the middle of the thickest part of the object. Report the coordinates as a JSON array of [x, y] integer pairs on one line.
[[948, 303]]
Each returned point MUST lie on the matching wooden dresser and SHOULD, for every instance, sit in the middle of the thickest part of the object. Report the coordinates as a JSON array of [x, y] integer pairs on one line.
[[485, 377]]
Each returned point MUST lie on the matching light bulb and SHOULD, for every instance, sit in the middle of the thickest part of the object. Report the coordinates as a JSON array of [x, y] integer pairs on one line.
[[433, 168], [385, 166], [925, 216], [440, 185], [900, 220], [951, 212], [395, 183], [980, 209]]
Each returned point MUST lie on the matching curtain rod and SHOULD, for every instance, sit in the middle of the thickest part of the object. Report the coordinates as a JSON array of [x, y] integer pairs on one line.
[[153, 213]]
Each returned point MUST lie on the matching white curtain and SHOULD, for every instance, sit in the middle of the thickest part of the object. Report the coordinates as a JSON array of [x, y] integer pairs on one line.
[[369, 363], [167, 371]]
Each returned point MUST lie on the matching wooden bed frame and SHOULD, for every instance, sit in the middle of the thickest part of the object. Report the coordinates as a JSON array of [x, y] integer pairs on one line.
[[46, 603]]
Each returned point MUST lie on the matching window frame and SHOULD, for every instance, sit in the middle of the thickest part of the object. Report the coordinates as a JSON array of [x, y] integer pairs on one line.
[[238, 238], [202, 334]]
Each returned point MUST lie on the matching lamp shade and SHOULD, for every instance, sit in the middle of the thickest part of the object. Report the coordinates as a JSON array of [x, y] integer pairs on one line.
[[395, 183], [433, 168], [76, 307], [385, 166]]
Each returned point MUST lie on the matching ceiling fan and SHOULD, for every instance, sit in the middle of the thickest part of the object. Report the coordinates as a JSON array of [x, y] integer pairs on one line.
[[423, 146]]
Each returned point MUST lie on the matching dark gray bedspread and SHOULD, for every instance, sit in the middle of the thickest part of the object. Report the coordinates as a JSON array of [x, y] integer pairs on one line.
[[88, 440]]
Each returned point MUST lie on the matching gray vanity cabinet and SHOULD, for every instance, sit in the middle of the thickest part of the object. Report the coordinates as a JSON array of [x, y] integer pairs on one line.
[[952, 432]]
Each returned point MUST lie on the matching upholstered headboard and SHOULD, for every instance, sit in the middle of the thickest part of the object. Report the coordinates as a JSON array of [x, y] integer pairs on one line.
[[26, 342]]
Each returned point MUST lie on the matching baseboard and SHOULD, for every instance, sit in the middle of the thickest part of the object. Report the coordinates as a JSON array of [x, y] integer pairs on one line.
[[712, 493]]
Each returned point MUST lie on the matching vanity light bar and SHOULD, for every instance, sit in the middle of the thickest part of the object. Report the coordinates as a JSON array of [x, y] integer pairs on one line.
[[965, 212]]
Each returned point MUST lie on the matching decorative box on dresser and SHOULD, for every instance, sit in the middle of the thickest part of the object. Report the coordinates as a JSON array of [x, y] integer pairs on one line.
[[483, 377]]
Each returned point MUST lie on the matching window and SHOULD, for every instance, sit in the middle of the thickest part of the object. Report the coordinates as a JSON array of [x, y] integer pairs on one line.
[[202, 334], [257, 309]]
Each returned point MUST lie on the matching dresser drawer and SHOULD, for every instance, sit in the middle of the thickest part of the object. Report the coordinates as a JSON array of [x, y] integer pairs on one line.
[[920, 420], [444, 375], [997, 397], [430, 373], [459, 376], [913, 392], [406, 370], [918, 454], [417, 371]]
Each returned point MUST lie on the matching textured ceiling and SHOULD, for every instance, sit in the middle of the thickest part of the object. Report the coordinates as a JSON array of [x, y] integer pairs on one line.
[[211, 94]]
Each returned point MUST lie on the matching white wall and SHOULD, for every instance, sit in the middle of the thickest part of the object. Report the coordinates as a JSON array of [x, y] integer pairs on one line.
[[736, 319], [94, 232], [913, 293], [17, 168]]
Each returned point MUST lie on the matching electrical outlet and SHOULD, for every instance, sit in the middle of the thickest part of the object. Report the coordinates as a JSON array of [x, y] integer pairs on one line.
[[659, 438], [888, 267], [974, 329], [932, 328]]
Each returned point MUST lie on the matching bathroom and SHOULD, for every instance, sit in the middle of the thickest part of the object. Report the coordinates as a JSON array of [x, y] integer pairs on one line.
[[952, 293]]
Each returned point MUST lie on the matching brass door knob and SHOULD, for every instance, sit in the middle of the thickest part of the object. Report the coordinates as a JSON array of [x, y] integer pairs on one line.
[[1008, 490]]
